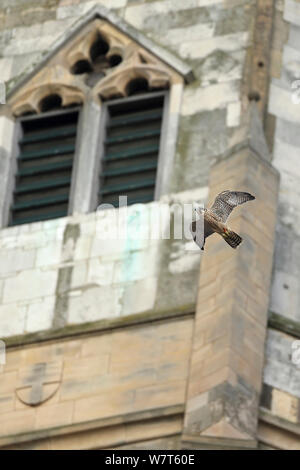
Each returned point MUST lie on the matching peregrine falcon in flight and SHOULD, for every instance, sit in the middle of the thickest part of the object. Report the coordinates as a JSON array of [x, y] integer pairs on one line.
[[214, 219]]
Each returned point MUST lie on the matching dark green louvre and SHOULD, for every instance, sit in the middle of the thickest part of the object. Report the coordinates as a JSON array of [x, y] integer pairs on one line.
[[130, 158], [44, 167]]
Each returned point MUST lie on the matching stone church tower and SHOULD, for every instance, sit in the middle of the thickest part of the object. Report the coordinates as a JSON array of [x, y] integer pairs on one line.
[[142, 341]]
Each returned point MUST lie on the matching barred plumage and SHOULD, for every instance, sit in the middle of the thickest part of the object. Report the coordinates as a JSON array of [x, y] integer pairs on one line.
[[233, 239], [226, 201], [214, 219]]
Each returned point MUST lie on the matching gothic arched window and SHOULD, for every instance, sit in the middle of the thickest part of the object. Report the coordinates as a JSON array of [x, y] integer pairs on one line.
[[93, 122]]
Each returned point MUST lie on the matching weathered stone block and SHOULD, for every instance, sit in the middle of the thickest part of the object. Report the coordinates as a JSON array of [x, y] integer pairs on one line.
[[224, 356], [29, 284], [12, 319]]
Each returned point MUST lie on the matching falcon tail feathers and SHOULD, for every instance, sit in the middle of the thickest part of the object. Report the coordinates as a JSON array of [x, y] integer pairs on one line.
[[232, 238]]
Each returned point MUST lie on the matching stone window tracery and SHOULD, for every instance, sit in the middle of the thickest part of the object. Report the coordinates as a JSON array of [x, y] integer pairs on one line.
[[98, 64]]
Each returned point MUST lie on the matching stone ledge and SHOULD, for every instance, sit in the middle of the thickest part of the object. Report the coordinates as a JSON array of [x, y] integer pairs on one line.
[[200, 442], [170, 442], [284, 324], [266, 416], [115, 421], [94, 327]]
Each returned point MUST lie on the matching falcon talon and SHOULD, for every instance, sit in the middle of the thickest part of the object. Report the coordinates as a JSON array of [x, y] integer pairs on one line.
[[213, 220]]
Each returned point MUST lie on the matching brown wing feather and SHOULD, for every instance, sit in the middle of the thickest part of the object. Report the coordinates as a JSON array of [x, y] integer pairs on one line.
[[226, 201]]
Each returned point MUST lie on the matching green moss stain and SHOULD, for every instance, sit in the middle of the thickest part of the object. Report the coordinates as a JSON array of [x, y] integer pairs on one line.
[[210, 68], [175, 291], [163, 290], [72, 232], [61, 303], [12, 82], [15, 82], [135, 223], [233, 20], [201, 138], [64, 278], [176, 19]]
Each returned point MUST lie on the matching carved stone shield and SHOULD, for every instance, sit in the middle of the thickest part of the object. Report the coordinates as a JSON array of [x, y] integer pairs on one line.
[[38, 382]]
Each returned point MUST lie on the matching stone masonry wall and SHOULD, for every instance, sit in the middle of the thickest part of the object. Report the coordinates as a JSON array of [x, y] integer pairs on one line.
[[285, 105], [52, 274], [115, 386], [210, 35], [75, 270], [280, 395], [57, 267]]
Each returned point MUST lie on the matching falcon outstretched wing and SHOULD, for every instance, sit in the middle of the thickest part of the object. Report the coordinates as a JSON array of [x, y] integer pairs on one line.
[[226, 201]]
